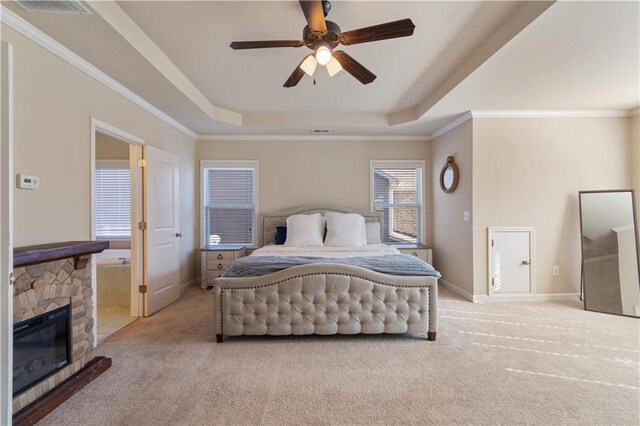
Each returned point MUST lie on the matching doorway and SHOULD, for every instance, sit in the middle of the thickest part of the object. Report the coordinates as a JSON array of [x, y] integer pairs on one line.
[[116, 210], [6, 230], [511, 262]]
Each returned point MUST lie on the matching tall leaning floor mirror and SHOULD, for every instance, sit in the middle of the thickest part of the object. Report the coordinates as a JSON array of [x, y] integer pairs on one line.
[[610, 263]]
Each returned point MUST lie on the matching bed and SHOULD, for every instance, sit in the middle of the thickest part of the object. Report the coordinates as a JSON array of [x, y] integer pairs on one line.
[[280, 290]]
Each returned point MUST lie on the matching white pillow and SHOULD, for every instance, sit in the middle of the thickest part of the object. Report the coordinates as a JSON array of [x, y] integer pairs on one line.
[[345, 230], [373, 233], [305, 230]]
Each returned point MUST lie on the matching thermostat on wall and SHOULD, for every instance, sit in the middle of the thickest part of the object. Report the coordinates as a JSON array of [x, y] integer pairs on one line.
[[28, 182]]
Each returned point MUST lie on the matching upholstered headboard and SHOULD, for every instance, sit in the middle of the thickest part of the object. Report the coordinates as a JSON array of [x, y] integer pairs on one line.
[[267, 222]]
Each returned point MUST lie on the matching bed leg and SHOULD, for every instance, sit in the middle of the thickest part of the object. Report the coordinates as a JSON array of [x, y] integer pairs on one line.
[[431, 336], [219, 338]]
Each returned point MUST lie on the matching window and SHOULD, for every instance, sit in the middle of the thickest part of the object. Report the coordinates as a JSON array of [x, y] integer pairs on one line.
[[397, 189], [229, 202], [113, 199]]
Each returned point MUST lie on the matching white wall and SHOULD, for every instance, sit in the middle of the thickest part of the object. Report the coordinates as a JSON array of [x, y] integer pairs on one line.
[[297, 173], [452, 236], [528, 171], [54, 103]]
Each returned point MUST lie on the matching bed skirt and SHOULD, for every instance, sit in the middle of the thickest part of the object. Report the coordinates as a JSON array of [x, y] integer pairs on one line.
[[325, 299]]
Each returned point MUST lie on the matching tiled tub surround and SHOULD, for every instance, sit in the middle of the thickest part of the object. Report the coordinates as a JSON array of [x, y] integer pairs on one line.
[[46, 286]]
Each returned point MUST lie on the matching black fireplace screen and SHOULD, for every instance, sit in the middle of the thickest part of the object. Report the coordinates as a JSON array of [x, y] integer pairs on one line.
[[41, 346]]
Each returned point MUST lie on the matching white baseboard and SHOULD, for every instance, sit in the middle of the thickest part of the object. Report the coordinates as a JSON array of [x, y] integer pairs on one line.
[[457, 290], [188, 284], [509, 298], [518, 298]]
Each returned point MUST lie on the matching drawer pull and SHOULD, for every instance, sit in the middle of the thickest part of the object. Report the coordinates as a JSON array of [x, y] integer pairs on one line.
[[219, 255], [220, 266], [414, 254]]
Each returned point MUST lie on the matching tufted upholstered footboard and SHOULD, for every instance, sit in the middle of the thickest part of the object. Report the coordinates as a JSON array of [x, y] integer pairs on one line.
[[325, 299]]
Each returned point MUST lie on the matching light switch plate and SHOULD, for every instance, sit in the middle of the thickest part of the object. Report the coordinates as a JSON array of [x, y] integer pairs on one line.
[[465, 216], [28, 182], [555, 271]]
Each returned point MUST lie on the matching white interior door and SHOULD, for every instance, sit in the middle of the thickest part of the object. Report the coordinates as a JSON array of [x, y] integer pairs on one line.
[[6, 228], [510, 261], [162, 236]]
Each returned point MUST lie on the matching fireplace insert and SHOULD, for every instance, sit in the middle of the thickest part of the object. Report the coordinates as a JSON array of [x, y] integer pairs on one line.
[[41, 346]]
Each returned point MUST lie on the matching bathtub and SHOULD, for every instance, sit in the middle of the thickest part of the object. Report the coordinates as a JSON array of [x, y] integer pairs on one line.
[[114, 257]]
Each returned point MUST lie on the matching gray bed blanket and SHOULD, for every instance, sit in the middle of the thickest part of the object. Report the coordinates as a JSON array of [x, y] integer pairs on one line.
[[394, 264]]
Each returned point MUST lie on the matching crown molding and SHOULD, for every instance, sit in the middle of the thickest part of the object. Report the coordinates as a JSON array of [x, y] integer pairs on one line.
[[552, 114], [272, 138], [32, 33], [452, 125], [533, 114]]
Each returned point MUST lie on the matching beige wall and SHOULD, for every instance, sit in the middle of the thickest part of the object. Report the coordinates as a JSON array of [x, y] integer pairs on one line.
[[296, 173], [527, 172], [53, 106], [108, 148], [452, 236], [634, 135]]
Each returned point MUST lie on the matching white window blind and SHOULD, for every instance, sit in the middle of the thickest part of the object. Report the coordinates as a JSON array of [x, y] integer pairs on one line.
[[229, 204], [397, 193], [113, 199]]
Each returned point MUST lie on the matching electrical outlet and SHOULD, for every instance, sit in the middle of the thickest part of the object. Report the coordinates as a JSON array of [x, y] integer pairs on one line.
[[555, 271]]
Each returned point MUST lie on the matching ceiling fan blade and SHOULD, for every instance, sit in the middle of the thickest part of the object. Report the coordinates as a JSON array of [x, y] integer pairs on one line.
[[314, 14], [237, 45], [395, 29], [295, 76], [354, 67]]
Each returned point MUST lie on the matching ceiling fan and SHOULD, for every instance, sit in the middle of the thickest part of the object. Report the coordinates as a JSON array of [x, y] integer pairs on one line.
[[323, 36]]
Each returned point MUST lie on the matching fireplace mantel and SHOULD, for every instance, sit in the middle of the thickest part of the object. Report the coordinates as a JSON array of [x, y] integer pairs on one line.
[[48, 277], [79, 250]]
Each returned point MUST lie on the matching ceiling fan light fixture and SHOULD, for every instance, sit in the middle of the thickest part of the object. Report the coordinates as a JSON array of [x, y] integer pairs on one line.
[[333, 67], [309, 65], [323, 55]]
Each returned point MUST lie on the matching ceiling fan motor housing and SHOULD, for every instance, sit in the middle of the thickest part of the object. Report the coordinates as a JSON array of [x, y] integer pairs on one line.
[[331, 37]]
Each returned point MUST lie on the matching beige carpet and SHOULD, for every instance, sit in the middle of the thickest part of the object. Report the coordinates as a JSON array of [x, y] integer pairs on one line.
[[492, 364]]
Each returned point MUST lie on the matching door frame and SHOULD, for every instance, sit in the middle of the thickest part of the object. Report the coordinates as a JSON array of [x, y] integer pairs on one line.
[[532, 250], [137, 215], [6, 235]]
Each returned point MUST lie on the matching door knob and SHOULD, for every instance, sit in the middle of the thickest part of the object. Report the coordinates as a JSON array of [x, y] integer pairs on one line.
[[526, 262], [178, 234]]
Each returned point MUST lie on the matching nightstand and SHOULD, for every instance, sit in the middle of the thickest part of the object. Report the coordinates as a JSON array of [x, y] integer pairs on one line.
[[418, 250], [216, 259]]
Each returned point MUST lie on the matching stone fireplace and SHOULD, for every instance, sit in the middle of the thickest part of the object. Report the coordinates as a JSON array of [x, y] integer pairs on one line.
[[49, 282]]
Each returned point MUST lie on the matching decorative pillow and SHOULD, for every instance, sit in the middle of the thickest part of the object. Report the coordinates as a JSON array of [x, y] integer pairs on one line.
[[345, 230], [305, 230], [281, 234], [373, 233]]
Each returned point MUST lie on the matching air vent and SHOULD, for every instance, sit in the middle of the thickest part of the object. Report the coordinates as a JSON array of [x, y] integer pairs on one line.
[[55, 6], [320, 131]]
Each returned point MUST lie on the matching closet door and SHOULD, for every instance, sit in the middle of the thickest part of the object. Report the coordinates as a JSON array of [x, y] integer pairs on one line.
[[510, 261]]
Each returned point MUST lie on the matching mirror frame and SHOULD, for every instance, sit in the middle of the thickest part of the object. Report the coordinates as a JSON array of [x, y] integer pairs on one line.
[[456, 175], [635, 224]]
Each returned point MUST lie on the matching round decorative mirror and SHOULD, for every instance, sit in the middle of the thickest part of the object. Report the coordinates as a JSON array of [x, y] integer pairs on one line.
[[449, 176]]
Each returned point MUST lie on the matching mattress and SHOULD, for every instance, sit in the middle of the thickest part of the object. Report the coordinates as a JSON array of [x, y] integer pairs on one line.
[[377, 258]]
